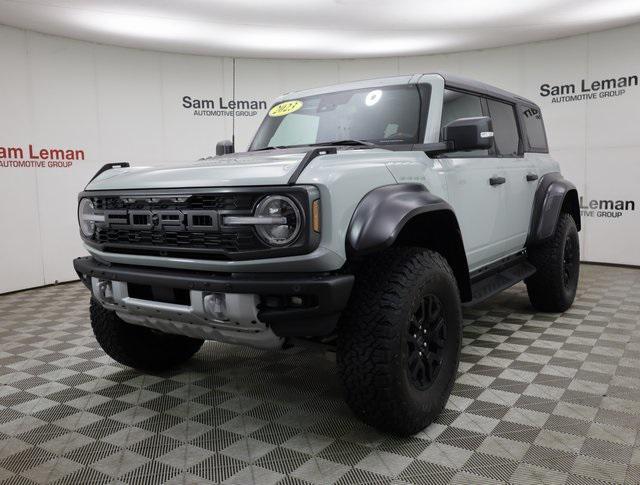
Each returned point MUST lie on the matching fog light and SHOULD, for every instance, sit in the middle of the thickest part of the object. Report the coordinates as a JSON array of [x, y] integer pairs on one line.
[[105, 291], [215, 306], [296, 301], [273, 301]]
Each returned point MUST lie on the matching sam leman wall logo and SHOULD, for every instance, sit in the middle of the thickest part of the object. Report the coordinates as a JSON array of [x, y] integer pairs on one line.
[[606, 208], [32, 157], [588, 90], [223, 107]]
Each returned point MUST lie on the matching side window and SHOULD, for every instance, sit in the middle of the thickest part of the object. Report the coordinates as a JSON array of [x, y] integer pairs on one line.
[[461, 105], [534, 128], [505, 130]]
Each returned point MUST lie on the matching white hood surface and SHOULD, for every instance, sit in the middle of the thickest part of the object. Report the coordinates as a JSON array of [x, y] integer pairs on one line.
[[253, 168]]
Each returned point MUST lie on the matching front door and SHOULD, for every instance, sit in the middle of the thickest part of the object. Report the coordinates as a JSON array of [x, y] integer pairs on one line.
[[476, 187]]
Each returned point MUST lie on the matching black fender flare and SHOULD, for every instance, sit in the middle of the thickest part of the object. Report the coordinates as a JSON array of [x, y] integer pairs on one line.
[[383, 213], [553, 193]]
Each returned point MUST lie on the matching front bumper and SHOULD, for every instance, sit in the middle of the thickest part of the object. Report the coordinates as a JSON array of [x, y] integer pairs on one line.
[[327, 294], [319, 261]]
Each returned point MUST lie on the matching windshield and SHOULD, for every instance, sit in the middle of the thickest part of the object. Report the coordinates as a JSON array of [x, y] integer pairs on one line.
[[385, 115]]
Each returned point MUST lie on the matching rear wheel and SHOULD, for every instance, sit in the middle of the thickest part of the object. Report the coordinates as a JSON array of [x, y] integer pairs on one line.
[[139, 347], [399, 340], [553, 286]]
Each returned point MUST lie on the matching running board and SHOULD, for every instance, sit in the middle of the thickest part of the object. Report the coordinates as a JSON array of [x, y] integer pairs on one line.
[[483, 288]]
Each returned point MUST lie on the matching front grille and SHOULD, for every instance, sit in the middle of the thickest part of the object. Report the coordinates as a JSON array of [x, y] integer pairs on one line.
[[184, 223], [167, 241], [227, 242], [221, 201]]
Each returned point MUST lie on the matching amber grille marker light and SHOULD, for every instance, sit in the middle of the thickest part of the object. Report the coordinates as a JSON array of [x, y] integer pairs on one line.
[[315, 215]]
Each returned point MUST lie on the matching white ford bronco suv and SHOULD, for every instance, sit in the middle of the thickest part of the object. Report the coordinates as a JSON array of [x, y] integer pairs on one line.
[[362, 217]]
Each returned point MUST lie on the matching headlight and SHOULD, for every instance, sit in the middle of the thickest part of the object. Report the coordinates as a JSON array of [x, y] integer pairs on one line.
[[87, 217], [277, 219], [284, 215]]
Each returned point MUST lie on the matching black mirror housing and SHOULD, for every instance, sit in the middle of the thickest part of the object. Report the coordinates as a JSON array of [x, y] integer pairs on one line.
[[469, 133], [224, 147]]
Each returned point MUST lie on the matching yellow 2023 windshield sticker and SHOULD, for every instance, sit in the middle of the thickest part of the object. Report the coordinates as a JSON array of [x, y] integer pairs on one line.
[[285, 108]]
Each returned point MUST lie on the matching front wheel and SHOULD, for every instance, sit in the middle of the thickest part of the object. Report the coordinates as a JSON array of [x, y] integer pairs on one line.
[[553, 286], [399, 340]]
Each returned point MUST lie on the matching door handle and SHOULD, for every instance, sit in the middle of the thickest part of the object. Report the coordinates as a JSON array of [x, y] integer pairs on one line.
[[531, 177], [497, 180]]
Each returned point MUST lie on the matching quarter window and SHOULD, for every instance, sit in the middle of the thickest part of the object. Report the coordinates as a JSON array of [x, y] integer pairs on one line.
[[505, 130], [534, 128]]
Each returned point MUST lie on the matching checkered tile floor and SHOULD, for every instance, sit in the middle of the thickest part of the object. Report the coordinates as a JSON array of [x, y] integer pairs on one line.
[[541, 398]]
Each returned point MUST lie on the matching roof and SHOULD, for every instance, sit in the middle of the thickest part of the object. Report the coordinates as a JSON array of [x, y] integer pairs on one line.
[[450, 80], [364, 84], [468, 84]]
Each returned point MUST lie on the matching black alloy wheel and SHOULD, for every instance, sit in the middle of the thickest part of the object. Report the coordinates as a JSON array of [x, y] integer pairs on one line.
[[426, 339], [569, 261]]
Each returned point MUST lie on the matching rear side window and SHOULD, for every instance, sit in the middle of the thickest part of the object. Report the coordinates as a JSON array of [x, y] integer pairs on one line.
[[461, 105], [534, 128], [505, 128]]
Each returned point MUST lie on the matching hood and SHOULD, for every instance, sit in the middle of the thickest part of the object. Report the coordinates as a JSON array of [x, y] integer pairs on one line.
[[241, 169]]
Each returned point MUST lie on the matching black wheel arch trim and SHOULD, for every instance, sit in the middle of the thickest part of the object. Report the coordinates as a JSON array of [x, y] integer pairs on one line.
[[384, 212], [554, 193]]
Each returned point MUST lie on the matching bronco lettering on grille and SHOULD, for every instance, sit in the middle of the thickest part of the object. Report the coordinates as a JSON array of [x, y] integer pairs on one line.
[[167, 220]]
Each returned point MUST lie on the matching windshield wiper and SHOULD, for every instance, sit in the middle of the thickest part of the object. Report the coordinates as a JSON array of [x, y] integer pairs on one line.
[[322, 144], [269, 148], [346, 143]]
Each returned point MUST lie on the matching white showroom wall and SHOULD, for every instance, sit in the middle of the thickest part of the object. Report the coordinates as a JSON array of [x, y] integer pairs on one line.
[[112, 103], [118, 104]]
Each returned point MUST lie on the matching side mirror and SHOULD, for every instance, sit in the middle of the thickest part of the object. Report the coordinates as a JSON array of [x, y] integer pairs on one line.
[[469, 133], [224, 147]]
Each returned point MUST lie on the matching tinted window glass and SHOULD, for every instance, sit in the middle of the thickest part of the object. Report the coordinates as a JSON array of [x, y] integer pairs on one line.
[[505, 129], [534, 128], [384, 115], [461, 105]]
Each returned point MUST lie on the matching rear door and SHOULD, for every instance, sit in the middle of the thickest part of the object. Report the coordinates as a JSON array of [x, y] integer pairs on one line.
[[475, 188], [520, 175]]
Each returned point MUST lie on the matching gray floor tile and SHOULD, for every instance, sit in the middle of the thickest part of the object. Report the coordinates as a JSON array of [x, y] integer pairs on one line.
[[540, 398]]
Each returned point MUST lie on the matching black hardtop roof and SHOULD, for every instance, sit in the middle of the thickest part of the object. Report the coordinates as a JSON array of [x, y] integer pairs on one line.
[[468, 84]]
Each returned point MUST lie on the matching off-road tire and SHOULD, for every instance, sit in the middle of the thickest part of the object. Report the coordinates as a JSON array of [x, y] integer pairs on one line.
[[373, 352], [553, 286], [139, 347]]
